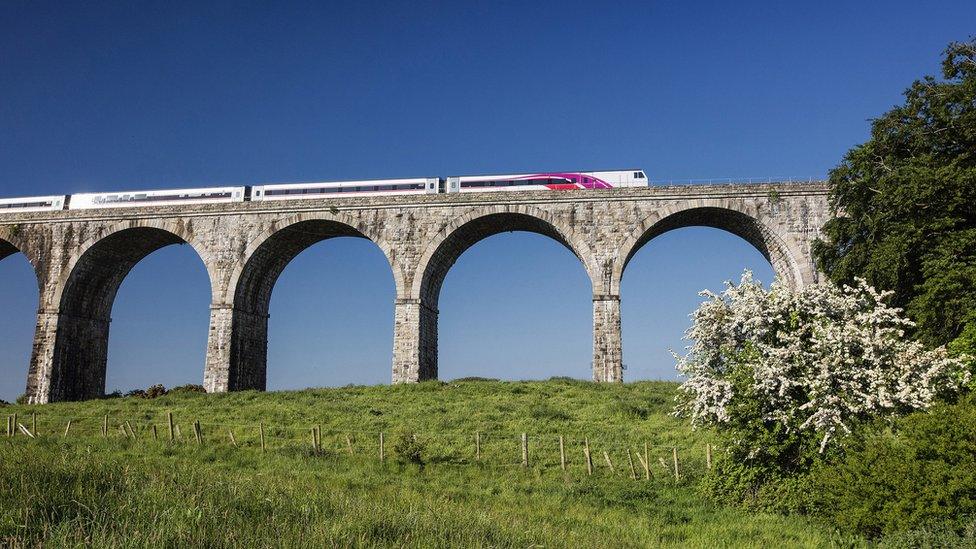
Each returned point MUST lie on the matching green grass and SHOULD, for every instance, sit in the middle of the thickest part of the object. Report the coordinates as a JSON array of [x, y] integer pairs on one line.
[[138, 492]]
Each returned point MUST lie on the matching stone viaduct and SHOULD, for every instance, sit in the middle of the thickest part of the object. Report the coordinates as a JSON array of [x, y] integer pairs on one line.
[[82, 256]]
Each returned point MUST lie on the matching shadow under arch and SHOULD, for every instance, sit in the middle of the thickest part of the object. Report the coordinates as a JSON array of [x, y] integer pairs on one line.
[[457, 238], [254, 283], [7, 249], [743, 224], [86, 298]]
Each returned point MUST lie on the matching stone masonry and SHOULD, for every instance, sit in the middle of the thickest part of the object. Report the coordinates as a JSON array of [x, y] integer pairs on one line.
[[82, 256]]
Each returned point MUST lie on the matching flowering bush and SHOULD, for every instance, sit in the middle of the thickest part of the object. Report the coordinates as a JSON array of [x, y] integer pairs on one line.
[[804, 363]]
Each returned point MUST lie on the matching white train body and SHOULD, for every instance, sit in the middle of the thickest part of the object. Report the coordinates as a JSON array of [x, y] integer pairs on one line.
[[540, 181], [32, 204], [133, 199], [338, 189], [546, 181]]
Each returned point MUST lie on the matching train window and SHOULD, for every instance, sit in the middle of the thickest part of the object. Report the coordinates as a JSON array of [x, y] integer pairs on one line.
[[638, 175]]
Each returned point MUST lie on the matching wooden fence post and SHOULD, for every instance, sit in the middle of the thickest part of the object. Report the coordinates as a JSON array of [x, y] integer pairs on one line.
[[562, 453], [349, 444], [674, 453], [34, 423], [589, 459], [525, 450], [10, 426], [633, 472], [261, 428], [25, 430], [232, 439], [606, 456], [155, 432], [644, 463], [197, 432], [169, 420], [105, 426]]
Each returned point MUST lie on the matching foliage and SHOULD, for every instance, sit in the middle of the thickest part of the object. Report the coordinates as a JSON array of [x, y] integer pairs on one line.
[[905, 205], [188, 388], [155, 391], [774, 366], [139, 393], [935, 537], [85, 490], [919, 475], [22, 399], [408, 448]]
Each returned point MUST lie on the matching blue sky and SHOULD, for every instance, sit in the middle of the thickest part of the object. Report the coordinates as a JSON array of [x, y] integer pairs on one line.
[[139, 95]]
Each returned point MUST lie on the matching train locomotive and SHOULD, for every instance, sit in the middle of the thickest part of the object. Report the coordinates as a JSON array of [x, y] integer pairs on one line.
[[543, 181]]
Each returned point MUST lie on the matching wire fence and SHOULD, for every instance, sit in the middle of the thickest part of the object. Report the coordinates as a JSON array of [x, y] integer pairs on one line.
[[595, 453]]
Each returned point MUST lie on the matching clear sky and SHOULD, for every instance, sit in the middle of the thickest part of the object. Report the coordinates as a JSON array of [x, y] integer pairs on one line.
[[141, 95]]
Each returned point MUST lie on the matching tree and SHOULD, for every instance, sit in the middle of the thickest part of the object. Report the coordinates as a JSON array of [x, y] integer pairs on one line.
[[788, 366], [905, 205]]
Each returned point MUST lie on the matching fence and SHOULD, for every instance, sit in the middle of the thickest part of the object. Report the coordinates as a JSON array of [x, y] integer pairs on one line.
[[585, 454]]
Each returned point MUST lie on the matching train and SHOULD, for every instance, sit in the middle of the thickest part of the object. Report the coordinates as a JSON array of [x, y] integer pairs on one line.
[[541, 181]]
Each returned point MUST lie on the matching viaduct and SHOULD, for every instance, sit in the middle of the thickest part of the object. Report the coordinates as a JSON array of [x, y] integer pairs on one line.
[[82, 256]]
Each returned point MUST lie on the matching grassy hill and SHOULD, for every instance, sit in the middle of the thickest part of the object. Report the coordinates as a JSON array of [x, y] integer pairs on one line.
[[130, 489]]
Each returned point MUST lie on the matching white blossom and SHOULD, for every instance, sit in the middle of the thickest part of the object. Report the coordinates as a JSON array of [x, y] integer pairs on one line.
[[816, 358]]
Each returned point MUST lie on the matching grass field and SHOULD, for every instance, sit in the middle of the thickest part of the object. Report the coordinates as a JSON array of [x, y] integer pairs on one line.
[[134, 491]]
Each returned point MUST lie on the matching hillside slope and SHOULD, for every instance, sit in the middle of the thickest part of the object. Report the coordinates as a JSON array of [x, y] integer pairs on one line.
[[131, 489]]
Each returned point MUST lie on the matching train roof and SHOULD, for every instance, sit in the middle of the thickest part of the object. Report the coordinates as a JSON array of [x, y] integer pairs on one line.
[[343, 181], [180, 190], [548, 171]]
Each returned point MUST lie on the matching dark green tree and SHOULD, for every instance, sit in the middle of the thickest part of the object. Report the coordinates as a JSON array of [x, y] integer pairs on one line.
[[905, 205]]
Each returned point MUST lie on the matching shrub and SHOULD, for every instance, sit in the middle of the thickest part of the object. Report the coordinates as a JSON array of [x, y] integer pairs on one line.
[[22, 399], [786, 374], [188, 388], [918, 476], [155, 391], [136, 393], [4, 403], [818, 360], [409, 449], [473, 379]]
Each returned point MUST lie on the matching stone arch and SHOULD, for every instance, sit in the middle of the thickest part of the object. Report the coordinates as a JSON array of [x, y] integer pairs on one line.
[[86, 294], [469, 229], [415, 345], [251, 283], [731, 216], [12, 243]]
